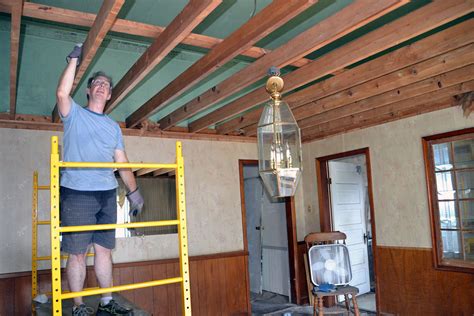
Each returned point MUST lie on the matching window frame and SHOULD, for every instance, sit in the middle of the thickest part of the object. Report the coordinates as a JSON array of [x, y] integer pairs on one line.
[[439, 262]]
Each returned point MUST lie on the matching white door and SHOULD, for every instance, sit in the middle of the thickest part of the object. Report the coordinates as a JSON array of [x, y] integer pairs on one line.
[[266, 236], [348, 216], [275, 263]]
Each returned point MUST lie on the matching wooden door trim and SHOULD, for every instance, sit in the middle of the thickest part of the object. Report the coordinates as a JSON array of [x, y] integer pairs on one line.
[[291, 231], [325, 209]]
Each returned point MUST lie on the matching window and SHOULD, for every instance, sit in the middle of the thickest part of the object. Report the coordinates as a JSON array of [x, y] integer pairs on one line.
[[159, 194], [449, 160]]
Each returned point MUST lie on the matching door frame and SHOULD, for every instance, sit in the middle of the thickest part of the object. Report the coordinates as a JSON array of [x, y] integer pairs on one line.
[[291, 233], [325, 214]]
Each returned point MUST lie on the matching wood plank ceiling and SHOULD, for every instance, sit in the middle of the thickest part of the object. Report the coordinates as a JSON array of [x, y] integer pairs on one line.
[[367, 81]]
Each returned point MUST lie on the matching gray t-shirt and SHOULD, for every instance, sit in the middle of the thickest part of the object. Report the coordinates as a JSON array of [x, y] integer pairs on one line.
[[89, 137]]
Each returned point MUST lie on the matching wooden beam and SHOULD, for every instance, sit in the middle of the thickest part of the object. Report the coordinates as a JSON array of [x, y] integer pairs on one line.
[[388, 117], [334, 27], [144, 171], [441, 42], [429, 85], [190, 17], [162, 171], [311, 113], [409, 107], [71, 17], [104, 21], [413, 24], [40, 124], [399, 85], [266, 21], [16, 11]]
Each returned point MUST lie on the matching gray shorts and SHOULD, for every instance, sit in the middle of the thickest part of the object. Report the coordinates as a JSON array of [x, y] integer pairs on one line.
[[87, 208]]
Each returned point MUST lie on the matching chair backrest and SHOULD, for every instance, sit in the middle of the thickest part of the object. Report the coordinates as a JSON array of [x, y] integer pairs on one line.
[[324, 238], [336, 237]]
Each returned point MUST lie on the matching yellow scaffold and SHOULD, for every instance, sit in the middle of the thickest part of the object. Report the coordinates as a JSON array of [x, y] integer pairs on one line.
[[57, 294], [35, 221]]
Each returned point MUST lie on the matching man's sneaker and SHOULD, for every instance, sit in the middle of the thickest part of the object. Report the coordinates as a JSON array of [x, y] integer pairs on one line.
[[113, 308], [82, 310]]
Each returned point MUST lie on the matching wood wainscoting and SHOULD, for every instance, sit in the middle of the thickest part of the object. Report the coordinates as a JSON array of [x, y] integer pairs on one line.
[[219, 286], [409, 285]]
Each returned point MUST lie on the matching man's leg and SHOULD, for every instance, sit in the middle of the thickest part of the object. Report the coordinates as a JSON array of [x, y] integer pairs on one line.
[[77, 208], [103, 267], [76, 274]]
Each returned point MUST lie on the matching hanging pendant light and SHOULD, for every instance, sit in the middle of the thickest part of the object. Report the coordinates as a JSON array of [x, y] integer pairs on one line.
[[279, 142]]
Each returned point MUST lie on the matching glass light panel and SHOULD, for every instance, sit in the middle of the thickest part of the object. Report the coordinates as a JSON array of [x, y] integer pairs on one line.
[[279, 144], [444, 185], [465, 184], [469, 246], [451, 244], [330, 264], [464, 153], [447, 214], [467, 214], [442, 157]]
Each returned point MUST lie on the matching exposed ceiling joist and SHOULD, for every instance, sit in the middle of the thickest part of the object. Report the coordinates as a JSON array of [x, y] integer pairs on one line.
[[72, 17], [163, 171], [339, 24], [425, 103], [426, 69], [266, 21], [353, 16], [398, 85], [144, 171], [181, 26], [446, 40], [429, 85], [16, 11], [271, 17], [104, 21]]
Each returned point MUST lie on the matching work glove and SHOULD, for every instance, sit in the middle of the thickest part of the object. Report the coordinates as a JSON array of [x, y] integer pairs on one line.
[[75, 53], [136, 202]]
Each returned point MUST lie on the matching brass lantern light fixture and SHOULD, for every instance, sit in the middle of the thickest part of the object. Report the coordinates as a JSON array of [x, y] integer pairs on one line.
[[279, 142]]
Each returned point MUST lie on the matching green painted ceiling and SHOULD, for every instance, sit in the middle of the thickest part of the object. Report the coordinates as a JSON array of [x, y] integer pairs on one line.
[[44, 45]]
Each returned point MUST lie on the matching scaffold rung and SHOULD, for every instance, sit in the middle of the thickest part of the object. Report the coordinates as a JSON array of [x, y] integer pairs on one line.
[[43, 258], [122, 287], [67, 291], [68, 229]]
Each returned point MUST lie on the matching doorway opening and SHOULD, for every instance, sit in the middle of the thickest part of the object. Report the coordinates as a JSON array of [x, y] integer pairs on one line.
[[269, 233], [346, 204]]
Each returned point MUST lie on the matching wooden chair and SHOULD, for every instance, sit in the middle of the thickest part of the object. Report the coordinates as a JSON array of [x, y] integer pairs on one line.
[[318, 308]]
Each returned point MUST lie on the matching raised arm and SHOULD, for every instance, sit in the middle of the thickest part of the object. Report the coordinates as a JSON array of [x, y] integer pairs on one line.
[[63, 92]]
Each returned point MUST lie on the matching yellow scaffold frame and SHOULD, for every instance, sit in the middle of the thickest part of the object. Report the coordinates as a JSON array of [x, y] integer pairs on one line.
[[35, 222], [57, 294]]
